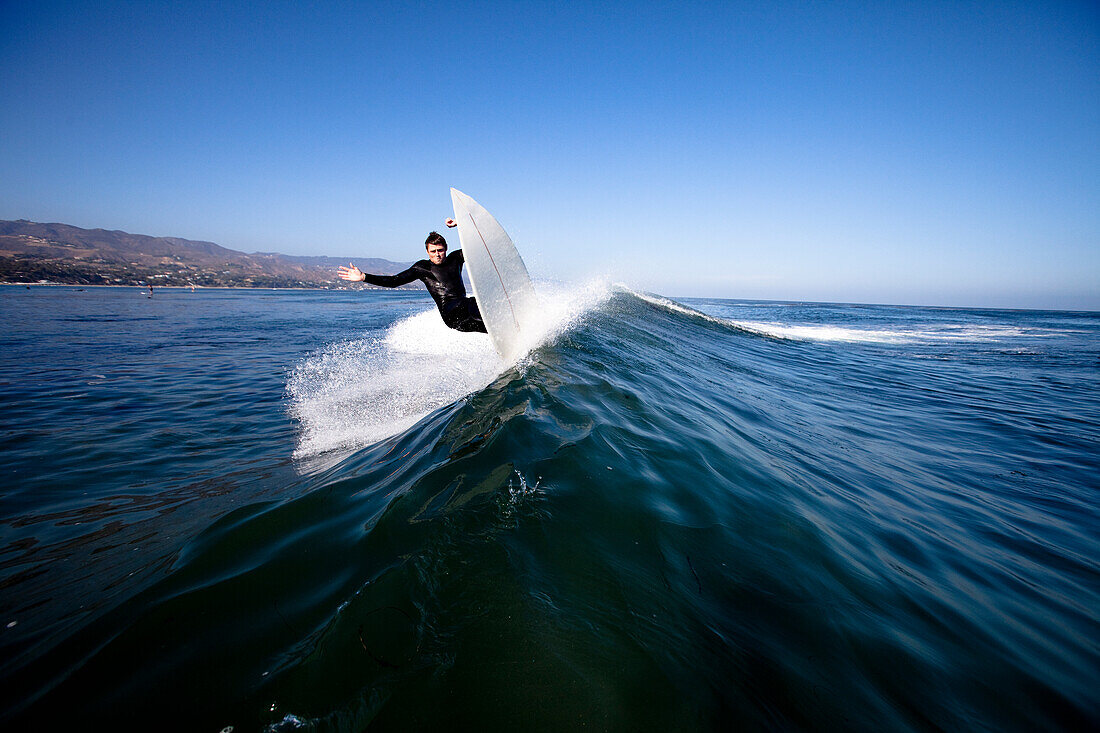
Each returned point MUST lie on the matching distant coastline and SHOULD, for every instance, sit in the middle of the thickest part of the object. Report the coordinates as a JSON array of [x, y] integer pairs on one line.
[[33, 253], [145, 286]]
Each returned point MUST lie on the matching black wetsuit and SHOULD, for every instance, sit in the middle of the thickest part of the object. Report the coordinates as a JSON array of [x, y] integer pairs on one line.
[[444, 283]]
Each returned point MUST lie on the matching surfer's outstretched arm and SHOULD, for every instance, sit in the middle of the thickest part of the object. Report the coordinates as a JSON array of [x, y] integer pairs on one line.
[[353, 273]]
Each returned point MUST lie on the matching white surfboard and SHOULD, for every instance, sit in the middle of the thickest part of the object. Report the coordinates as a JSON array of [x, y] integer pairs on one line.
[[505, 295]]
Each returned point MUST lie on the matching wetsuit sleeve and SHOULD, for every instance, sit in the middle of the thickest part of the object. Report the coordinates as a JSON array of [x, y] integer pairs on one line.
[[392, 281]]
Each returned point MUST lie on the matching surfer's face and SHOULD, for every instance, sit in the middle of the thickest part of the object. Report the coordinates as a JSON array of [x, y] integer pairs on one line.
[[437, 253]]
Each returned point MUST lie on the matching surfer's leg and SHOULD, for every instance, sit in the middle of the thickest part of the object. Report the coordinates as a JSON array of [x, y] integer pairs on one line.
[[465, 317], [470, 326], [473, 317]]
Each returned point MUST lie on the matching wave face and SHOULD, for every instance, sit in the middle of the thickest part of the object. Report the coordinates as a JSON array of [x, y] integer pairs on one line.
[[666, 516]]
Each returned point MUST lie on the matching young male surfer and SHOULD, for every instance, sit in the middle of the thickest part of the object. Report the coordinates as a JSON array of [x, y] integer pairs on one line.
[[442, 276]]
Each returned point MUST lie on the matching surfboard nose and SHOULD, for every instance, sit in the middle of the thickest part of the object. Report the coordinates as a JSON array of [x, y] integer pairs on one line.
[[457, 196]]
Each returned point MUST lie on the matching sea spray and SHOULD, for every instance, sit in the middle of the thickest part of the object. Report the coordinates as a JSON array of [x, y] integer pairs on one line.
[[354, 393]]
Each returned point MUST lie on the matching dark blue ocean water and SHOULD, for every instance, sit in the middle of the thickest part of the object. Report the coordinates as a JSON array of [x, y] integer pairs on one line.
[[324, 511]]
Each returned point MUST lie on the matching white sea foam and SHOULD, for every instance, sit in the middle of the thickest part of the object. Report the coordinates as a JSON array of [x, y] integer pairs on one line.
[[916, 334], [821, 332], [354, 393]]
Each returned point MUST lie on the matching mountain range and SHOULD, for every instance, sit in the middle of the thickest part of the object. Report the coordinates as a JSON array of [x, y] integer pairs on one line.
[[31, 252]]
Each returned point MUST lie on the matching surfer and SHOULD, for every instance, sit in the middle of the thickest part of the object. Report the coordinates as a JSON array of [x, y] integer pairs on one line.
[[441, 274]]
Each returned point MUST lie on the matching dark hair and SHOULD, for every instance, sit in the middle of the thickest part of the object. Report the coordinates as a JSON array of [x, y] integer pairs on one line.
[[435, 238]]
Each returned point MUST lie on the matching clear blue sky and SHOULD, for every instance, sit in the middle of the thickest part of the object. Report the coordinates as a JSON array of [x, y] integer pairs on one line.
[[919, 152]]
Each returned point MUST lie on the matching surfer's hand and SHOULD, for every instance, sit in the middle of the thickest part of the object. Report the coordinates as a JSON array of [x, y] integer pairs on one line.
[[451, 223], [351, 272]]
